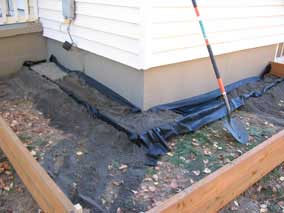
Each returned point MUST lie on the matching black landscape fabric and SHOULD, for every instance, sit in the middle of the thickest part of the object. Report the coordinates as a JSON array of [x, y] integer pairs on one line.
[[156, 126], [97, 124]]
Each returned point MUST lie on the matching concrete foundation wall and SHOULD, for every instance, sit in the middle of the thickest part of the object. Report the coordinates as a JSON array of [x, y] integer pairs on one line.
[[168, 83], [18, 43], [126, 81], [174, 82]]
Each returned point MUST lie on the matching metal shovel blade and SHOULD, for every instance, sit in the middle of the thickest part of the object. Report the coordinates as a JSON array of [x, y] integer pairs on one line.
[[237, 129]]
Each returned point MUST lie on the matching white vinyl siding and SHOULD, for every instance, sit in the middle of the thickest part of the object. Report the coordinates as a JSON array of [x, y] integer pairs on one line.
[[149, 33], [108, 28], [230, 25]]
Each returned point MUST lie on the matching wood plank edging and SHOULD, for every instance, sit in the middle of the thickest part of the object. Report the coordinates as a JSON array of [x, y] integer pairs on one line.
[[216, 190], [43, 189], [277, 69]]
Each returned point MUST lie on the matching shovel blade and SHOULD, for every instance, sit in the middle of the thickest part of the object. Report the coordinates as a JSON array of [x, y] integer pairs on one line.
[[237, 130]]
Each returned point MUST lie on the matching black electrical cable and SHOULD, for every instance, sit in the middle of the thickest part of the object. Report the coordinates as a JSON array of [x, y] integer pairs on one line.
[[69, 33]]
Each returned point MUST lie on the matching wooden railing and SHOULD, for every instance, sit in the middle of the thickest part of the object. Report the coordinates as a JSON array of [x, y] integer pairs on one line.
[[18, 11]]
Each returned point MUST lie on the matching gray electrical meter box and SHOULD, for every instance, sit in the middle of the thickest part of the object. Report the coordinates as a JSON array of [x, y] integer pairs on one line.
[[68, 8]]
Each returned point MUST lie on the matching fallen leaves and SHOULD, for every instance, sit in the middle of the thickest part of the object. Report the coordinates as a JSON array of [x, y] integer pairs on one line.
[[281, 204], [4, 166], [170, 154], [155, 177], [152, 188], [79, 153], [207, 171], [263, 208], [117, 183], [195, 142], [174, 184], [2, 184], [207, 152], [6, 179], [33, 152], [196, 172], [123, 168]]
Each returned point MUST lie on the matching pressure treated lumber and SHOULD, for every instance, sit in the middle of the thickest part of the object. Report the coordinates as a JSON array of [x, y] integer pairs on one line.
[[277, 69], [47, 194], [218, 189]]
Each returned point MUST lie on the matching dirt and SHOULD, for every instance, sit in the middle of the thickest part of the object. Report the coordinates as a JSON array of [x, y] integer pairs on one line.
[[122, 114], [36, 134], [196, 155], [97, 166], [82, 161]]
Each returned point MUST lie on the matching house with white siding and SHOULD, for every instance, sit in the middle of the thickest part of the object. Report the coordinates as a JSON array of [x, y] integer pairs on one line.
[[152, 52]]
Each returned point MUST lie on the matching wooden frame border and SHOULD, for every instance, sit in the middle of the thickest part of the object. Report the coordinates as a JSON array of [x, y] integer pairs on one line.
[[216, 190], [208, 195], [47, 194], [277, 69]]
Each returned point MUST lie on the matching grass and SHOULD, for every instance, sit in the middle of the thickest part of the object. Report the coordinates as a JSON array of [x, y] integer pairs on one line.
[[25, 137], [189, 151], [115, 164], [151, 171]]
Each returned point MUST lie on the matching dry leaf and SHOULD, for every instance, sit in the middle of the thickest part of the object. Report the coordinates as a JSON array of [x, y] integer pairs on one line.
[[123, 167], [207, 171], [196, 172]]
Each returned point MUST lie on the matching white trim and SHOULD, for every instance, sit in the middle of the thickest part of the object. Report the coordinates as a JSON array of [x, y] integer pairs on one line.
[[279, 56], [15, 9], [146, 36], [27, 10], [276, 52], [16, 16], [3, 6], [35, 7]]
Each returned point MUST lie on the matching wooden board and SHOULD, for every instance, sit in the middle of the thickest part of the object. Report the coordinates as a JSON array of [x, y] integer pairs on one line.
[[218, 189], [277, 69], [47, 194]]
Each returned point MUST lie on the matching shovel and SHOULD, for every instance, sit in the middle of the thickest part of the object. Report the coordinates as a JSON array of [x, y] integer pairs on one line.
[[233, 125]]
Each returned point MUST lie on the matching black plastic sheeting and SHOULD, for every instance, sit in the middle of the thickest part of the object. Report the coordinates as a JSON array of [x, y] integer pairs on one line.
[[196, 111], [100, 87]]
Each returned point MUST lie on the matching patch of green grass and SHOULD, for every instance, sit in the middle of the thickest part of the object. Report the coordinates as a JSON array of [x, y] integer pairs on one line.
[[185, 151], [151, 171], [24, 137], [115, 164], [191, 157], [274, 208], [37, 142], [274, 174], [268, 193], [259, 132]]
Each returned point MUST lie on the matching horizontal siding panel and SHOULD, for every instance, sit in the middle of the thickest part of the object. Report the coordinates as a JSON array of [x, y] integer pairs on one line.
[[187, 54], [126, 14], [168, 44], [102, 50], [121, 3], [108, 28], [105, 25], [115, 41], [165, 15], [230, 25], [51, 15], [216, 3], [110, 12], [222, 25], [126, 29], [50, 5]]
